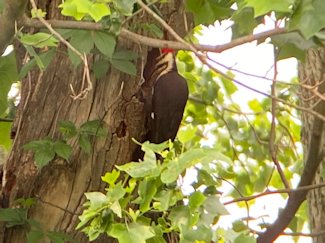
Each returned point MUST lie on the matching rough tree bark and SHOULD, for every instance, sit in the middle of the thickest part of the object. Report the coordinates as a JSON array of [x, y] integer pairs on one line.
[[46, 100], [312, 72]]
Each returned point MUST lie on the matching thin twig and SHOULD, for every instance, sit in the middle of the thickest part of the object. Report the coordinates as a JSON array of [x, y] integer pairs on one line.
[[6, 120], [137, 12], [167, 26], [314, 234], [251, 74], [270, 192], [83, 93], [301, 108], [272, 142]]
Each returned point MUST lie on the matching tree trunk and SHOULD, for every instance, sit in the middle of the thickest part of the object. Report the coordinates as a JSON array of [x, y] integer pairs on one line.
[[60, 186], [312, 73]]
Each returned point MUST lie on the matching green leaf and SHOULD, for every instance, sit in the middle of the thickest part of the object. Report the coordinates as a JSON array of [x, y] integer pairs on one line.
[[262, 7], [189, 159], [166, 199], [116, 193], [100, 68], [213, 209], [157, 148], [229, 85], [37, 144], [39, 40], [116, 208], [62, 149], [34, 236], [179, 215], [82, 41], [58, 237], [132, 183], [187, 134], [44, 151], [1, 5], [86, 216], [43, 156], [5, 141], [196, 200], [13, 216], [242, 238], [45, 59], [26, 203], [147, 190], [292, 45], [208, 11], [93, 128], [159, 235], [125, 7], [153, 29], [69, 8], [201, 233], [142, 232], [245, 22], [263, 179], [82, 8], [125, 55], [134, 233], [124, 66], [84, 143], [97, 199], [239, 225], [68, 129], [255, 105], [38, 13], [308, 18], [99, 10], [146, 168], [111, 177], [35, 225], [104, 42], [213, 206], [35, 56]]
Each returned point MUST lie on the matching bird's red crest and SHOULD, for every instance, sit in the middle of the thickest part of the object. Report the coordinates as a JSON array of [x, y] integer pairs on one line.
[[167, 50]]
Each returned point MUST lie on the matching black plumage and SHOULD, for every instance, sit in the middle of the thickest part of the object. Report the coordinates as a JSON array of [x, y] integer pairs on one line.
[[169, 97]]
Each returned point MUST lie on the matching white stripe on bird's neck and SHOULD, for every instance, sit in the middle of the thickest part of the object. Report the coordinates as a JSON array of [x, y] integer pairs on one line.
[[165, 64]]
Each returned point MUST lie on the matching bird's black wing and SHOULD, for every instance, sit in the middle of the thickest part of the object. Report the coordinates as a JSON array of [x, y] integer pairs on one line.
[[168, 103]]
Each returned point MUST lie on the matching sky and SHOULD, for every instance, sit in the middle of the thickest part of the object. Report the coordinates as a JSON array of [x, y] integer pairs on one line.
[[257, 60], [249, 58]]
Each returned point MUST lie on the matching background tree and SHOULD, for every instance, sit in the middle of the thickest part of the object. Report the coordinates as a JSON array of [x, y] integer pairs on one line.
[[80, 64]]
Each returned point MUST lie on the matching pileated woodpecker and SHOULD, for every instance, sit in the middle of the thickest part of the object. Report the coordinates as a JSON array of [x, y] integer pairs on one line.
[[166, 94]]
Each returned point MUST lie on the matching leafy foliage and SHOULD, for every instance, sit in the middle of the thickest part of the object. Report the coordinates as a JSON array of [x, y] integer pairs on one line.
[[35, 233], [243, 137], [46, 149], [157, 192], [218, 142], [80, 9], [39, 40]]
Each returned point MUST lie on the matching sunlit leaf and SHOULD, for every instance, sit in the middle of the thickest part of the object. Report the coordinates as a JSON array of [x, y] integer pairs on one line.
[[39, 40]]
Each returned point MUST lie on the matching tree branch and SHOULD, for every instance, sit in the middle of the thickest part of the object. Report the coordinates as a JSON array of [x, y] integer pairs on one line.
[[296, 198], [281, 191], [144, 40], [272, 142], [12, 11], [314, 234], [6, 120]]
